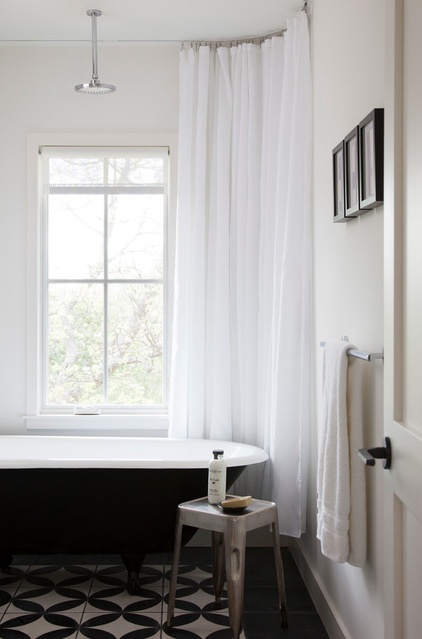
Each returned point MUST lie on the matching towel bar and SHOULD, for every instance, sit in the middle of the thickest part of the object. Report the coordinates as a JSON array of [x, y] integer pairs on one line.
[[353, 352]]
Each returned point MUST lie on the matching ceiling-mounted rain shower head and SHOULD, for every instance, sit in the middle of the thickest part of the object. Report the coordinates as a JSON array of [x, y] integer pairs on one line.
[[94, 86]]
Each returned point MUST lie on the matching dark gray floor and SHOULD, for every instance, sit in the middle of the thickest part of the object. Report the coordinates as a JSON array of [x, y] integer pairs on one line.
[[59, 597], [261, 618]]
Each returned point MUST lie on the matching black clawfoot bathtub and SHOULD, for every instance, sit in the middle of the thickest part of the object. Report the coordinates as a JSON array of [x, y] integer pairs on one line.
[[103, 495]]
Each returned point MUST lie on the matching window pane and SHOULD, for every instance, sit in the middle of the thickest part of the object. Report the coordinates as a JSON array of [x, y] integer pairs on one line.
[[136, 170], [135, 240], [75, 344], [76, 171], [135, 344], [75, 236], [105, 216]]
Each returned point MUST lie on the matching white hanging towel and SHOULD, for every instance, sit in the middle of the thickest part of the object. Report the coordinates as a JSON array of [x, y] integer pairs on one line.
[[341, 475]]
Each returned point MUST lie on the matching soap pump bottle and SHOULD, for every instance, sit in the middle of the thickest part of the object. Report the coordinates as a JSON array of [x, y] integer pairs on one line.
[[217, 478]]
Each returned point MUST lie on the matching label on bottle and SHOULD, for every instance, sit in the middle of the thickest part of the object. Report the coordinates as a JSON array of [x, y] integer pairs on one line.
[[216, 482]]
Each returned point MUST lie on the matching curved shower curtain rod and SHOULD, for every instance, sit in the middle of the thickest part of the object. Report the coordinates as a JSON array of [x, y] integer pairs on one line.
[[259, 39]]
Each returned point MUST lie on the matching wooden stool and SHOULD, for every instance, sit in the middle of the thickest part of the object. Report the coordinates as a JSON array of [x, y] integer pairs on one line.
[[229, 541]]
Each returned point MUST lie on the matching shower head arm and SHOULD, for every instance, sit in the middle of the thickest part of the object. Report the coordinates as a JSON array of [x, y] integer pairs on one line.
[[94, 86], [94, 13]]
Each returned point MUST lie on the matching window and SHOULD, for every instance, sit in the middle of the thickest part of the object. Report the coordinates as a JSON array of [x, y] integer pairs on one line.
[[103, 266]]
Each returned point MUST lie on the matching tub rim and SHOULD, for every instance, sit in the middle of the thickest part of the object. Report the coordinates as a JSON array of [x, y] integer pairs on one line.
[[30, 451]]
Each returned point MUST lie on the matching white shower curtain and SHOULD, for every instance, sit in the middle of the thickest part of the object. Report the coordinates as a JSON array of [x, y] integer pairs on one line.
[[241, 334]]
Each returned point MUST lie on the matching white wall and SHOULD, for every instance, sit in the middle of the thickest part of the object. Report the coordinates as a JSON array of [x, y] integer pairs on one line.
[[38, 95], [348, 75]]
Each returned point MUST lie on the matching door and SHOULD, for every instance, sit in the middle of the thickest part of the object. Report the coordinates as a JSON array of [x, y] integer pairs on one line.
[[403, 319]]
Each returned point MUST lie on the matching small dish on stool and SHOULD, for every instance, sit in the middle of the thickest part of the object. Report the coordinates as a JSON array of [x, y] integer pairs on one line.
[[235, 505]]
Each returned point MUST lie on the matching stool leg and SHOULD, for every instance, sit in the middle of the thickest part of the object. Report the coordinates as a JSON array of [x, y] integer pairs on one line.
[[217, 566], [174, 570], [280, 574], [234, 546]]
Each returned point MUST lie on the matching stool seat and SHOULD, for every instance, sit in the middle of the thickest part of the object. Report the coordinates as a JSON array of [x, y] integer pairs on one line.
[[228, 546]]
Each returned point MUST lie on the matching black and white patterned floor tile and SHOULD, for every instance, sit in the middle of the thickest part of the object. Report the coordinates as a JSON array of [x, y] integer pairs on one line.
[[124, 625], [59, 602], [44, 599], [108, 591]]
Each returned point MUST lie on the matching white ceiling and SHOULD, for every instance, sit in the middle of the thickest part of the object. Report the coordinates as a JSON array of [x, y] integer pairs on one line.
[[30, 21]]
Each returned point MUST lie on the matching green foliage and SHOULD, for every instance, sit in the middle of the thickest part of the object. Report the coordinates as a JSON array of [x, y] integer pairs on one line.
[[134, 340]]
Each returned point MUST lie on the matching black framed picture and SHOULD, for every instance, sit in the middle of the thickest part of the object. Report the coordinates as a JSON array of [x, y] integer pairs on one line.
[[371, 152], [351, 172], [338, 183]]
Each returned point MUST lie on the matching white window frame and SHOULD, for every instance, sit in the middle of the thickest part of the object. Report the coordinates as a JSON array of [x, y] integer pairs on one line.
[[148, 421]]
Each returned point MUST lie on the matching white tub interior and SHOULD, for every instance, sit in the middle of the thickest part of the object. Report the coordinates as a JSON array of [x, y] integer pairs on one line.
[[47, 451]]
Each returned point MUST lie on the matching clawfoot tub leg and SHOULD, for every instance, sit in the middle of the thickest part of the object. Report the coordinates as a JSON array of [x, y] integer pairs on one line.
[[5, 561], [133, 565]]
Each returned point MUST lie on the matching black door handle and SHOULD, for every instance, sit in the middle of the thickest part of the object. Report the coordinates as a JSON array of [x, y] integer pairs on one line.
[[369, 455]]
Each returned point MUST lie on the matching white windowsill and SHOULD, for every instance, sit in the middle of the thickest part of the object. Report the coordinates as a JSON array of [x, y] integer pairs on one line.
[[154, 424]]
